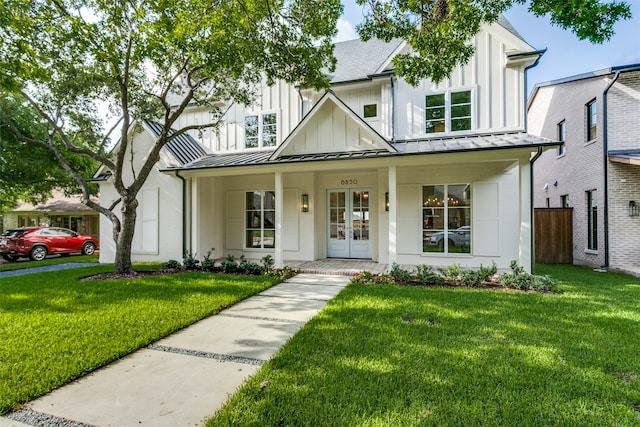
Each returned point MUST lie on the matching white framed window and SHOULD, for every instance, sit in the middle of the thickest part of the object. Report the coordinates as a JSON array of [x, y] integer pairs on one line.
[[261, 130], [260, 214], [451, 111], [446, 218]]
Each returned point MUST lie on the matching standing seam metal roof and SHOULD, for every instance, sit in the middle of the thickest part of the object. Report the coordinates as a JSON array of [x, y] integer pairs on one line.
[[509, 140], [184, 148]]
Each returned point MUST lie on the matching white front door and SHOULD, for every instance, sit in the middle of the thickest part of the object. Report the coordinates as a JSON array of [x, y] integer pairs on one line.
[[349, 223]]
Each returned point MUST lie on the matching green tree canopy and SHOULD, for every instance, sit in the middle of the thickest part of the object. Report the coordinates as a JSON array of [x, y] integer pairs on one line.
[[149, 60], [30, 172], [439, 31]]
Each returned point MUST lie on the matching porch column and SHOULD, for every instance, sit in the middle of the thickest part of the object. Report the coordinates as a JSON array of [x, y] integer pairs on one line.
[[393, 216], [279, 189], [193, 224]]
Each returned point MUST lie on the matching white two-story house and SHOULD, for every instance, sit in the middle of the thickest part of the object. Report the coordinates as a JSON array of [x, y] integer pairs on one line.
[[375, 169]]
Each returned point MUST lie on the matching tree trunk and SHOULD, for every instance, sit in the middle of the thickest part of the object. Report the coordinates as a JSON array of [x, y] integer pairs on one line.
[[124, 238]]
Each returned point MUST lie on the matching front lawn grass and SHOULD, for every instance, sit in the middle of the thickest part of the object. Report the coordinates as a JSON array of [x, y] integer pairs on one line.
[[407, 356], [53, 260], [55, 327]]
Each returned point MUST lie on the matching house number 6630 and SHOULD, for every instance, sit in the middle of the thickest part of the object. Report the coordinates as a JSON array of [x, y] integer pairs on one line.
[[348, 182]]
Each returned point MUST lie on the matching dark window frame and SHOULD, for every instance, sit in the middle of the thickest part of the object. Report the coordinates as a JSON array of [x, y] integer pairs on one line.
[[592, 120]]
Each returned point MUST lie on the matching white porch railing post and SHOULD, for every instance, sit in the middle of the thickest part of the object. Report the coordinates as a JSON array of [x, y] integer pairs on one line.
[[279, 252], [393, 216]]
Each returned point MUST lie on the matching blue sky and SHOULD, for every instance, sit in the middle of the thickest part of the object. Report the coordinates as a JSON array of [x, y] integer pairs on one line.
[[566, 55]]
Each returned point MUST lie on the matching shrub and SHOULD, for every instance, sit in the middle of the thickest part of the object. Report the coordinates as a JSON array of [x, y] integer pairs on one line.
[[426, 276], [368, 278], [516, 268], [399, 274], [229, 265], [189, 261], [471, 278], [267, 263], [248, 267], [488, 272], [451, 272], [209, 264], [172, 264], [520, 279]]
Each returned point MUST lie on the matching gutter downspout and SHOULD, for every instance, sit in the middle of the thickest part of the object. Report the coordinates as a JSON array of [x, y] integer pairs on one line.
[[184, 213], [301, 104], [605, 167], [533, 246], [393, 109], [531, 162]]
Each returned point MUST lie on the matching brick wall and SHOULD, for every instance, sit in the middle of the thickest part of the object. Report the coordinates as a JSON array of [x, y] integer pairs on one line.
[[624, 231], [580, 168], [623, 106]]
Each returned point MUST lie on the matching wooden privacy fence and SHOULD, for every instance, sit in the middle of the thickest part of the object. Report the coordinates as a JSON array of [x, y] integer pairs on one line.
[[553, 235]]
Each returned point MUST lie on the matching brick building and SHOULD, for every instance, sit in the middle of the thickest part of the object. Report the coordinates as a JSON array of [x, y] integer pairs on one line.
[[597, 170]]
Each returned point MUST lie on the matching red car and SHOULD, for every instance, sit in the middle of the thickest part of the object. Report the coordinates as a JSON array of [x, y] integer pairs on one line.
[[38, 242]]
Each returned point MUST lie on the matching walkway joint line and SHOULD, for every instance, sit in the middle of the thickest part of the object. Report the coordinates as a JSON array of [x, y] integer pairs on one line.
[[39, 419], [207, 355], [268, 319]]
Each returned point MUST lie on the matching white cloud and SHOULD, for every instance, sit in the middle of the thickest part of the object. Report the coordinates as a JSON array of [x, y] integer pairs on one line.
[[346, 31]]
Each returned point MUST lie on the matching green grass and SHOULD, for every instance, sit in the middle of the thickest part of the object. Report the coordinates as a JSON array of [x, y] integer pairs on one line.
[[26, 263], [55, 328], [404, 356]]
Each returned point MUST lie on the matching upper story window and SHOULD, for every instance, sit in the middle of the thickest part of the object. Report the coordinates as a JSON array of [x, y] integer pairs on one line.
[[562, 135], [448, 112], [592, 121], [370, 111], [260, 131]]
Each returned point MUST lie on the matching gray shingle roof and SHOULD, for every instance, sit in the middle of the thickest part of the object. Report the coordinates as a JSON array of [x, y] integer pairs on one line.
[[184, 148], [359, 60], [412, 147]]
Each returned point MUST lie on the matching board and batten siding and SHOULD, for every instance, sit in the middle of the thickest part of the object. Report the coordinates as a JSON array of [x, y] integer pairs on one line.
[[281, 98], [497, 92]]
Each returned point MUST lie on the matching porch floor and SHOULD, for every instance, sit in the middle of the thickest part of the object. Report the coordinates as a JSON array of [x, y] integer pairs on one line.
[[338, 266]]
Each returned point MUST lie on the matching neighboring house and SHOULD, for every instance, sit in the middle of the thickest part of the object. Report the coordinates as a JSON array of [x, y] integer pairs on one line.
[[597, 169], [58, 211], [372, 169]]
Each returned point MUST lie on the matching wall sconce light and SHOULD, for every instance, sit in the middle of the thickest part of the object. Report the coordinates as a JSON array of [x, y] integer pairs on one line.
[[305, 203], [634, 209], [386, 201]]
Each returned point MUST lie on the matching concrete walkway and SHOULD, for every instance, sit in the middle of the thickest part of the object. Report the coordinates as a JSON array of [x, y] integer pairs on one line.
[[46, 268], [183, 379]]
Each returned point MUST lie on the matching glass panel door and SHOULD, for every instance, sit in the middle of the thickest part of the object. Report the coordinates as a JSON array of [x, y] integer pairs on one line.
[[348, 224]]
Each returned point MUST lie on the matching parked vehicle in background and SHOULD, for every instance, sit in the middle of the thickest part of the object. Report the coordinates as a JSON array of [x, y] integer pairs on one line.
[[459, 237], [38, 242]]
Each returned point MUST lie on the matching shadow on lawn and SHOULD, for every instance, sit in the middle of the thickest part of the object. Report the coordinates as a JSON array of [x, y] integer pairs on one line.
[[406, 356], [65, 292]]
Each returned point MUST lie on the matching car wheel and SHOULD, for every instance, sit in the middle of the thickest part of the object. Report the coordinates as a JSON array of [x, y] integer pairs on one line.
[[451, 243], [88, 248], [8, 257], [38, 253]]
